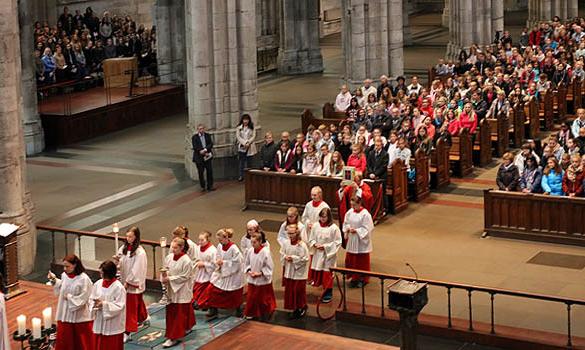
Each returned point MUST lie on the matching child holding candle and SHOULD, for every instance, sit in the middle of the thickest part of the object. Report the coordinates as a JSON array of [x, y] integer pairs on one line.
[[180, 317], [74, 324], [108, 301], [133, 263], [5, 341]]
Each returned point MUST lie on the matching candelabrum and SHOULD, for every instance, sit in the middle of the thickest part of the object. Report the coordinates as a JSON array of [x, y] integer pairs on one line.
[[45, 342], [165, 297]]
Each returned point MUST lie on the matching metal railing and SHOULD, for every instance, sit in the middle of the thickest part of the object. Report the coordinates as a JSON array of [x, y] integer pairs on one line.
[[470, 289]]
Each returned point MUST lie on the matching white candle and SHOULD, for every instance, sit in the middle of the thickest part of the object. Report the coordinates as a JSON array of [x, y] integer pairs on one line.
[[163, 244], [116, 229], [21, 321], [36, 328], [47, 317]]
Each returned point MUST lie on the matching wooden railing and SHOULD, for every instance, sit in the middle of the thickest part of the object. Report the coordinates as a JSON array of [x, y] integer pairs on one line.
[[449, 288], [534, 217]]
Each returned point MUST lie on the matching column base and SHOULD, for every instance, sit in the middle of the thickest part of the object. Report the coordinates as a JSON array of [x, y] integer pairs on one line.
[[300, 62], [34, 138]]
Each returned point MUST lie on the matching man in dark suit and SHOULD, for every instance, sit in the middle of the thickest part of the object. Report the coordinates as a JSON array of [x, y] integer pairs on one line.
[[202, 156], [377, 165]]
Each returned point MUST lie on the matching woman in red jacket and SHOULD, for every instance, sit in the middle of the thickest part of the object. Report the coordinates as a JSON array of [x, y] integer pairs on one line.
[[357, 158], [468, 119]]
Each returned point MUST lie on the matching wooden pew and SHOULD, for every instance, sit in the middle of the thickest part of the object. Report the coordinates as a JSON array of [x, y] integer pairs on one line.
[[578, 95], [545, 111], [570, 98], [397, 186], [534, 217], [419, 190], [330, 113], [307, 118], [482, 147], [532, 122], [272, 191], [439, 170], [461, 153], [517, 118], [499, 134], [560, 104]]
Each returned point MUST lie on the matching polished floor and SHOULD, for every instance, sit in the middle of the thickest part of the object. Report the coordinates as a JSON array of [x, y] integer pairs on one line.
[[137, 177]]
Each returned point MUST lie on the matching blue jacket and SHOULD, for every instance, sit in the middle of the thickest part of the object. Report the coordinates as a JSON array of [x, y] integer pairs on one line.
[[553, 183]]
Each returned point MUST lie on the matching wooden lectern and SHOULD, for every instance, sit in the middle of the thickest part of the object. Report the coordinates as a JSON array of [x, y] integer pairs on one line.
[[408, 299], [9, 260]]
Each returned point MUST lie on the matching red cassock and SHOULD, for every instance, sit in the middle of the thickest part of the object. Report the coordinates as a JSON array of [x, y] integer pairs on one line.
[[321, 278], [260, 300], [295, 294], [135, 311], [109, 342], [358, 262], [198, 290], [180, 318], [215, 297], [74, 336]]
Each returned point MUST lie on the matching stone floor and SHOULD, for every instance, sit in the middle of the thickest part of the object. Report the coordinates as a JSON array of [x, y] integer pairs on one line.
[[136, 177]]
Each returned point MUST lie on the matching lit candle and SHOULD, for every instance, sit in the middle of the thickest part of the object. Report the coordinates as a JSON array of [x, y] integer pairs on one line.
[[116, 229], [47, 317], [36, 328], [21, 321], [163, 244]]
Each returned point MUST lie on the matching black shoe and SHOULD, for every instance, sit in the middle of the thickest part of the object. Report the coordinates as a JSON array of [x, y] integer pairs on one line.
[[203, 189], [210, 189], [195, 306], [240, 179], [302, 312], [360, 284], [353, 284], [327, 297], [211, 314]]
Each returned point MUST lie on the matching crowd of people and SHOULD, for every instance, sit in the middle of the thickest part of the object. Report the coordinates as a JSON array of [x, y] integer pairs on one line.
[[76, 46], [204, 276]]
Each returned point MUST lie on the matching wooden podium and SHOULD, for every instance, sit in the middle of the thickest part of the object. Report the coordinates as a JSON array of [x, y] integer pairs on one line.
[[408, 299], [118, 71], [9, 260]]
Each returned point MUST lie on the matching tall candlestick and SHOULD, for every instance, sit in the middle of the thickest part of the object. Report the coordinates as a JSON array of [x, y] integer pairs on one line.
[[36, 328], [47, 317], [21, 321], [116, 229]]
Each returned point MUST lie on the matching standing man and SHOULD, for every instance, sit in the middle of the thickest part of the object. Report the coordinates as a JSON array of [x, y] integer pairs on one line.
[[377, 166], [202, 156]]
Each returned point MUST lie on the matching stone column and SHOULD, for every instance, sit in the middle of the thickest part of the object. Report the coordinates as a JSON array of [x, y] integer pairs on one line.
[[446, 14], [407, 33], [12, 149], [471, 23], [497, 16], [396, 38], [34, 138], [169, 18], [573, 8], [221, 75], [299, 51]]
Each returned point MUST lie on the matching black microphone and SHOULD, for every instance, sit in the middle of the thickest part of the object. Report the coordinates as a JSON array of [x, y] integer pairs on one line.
[[413, 270]]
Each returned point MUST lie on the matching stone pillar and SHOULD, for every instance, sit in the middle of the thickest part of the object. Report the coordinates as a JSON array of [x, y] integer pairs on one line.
[[372, 39], [299, 51], [471, 23], [169, 19], [12, 149], [407, 33], [221, 75], [446, 14], [497, 16], [34, 138], [573, 8]]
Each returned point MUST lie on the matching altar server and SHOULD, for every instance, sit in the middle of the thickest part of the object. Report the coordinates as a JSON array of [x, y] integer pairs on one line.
[[204, 266], [325, 239], [292, 217], [294, 256], [133, 264], [260, 300], [357, 229], [74, 324], [252, 226], [180, 317], [108, 307], [226, 285], [313, 208], [190, 246]]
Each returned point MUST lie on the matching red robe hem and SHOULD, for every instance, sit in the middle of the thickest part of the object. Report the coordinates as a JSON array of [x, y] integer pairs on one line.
[[295, 294], [260, 300], [179, 319]]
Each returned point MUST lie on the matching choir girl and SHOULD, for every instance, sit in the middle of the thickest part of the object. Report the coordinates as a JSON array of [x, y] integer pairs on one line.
[[357, 230], [325, 240], [260, 301], [251, 227], [313, 208], [204, 266], [132, 263], [190, 246], [180, 317], [292, 217], [226, 285], [108, 303], [74, 324], [4, 339], [294, 256]]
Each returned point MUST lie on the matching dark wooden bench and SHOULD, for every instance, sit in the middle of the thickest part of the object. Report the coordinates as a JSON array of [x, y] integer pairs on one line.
[[397, 186], [482, 147], [499, 134], [307, 118], [460, 154], [560, 104], [439, 170], [545, 111], [330, 113], [419, 190], [534, 217], [516, 126], [532, 121]]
